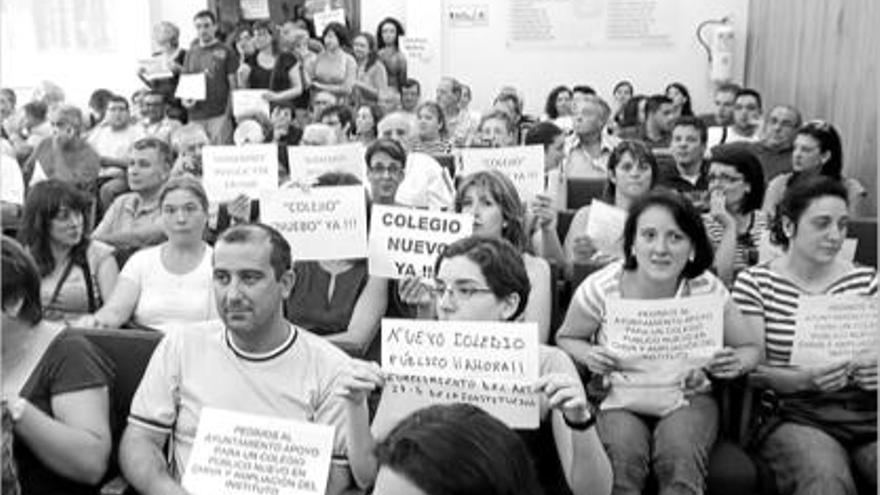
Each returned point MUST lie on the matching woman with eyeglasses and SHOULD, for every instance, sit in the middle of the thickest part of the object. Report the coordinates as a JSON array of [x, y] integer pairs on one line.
[[167, 285], [819, 423], [735, 222], [484, 278], [76, 273], [657, 415], [817, 151]]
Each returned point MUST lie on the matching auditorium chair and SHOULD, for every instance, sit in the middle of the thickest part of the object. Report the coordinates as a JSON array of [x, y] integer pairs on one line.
[[580, 192], [865, 230]]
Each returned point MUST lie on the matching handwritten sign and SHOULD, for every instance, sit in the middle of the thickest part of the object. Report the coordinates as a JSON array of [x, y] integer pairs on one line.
[[605, 228], [523, 165], [191, 87], [687, 329], [155, 68], [232, 170], [309, 162], [320, 223], [249, 102], [416, 48], [834, 328], [326, 17], [255, 9], [405, 242], [243, 454], [492, 365]]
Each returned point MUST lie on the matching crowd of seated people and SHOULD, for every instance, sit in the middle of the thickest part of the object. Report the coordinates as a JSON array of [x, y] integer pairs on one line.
[[115, 230]]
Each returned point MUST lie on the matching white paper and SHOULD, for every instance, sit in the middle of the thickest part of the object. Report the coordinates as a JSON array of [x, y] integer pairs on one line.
[[523, 165], [12, 188], [320, 223], [229, 171], [325, 17], [254, 9], [39, 175], [191, 87], [492, 365], [242, 454], [156, 68], [309, 162], [249, 102], [605, 228], [405, 242], [831, 328]]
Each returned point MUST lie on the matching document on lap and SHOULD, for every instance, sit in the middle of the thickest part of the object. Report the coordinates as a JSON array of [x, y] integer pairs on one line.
[[831, 328], [242, 454]]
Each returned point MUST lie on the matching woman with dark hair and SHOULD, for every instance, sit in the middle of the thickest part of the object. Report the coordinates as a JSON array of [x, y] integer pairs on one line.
[[557, 108], [388, 35], [432, 136], [631, 115], [335, 69], [55, 386], [820, 435], [371, 74], [681, 99], [366, 121], [670, 426], [76, 273], [817, 151], [269, 68], [241, 40], [735, 222], [482, 278], [622, 93]]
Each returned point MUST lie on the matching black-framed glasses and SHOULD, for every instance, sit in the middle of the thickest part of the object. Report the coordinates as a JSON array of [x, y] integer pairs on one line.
[[457, 292]]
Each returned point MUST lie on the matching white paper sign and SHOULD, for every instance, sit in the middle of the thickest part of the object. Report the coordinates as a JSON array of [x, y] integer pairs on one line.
[[326, 17], [229, 171], [248, 102], [242, 454], [605, 228], [320, 223], [254, 9], [414, 48], [686, 329], [832, 328], [405, 242], [155, 68], [523, 165], [191, 87], [12, 188], [309, 162], [492, 365]]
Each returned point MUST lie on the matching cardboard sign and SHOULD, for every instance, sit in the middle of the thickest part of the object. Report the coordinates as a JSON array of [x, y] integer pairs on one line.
[[249, 102], [605, 228], [687, 329], [320, 223], [832, 328], [255, 9], [229, 171], [326, 17], [191, 87], [155, 68], [405, 242], [492, 365], [523, 165], [309, 162], [242, 454]]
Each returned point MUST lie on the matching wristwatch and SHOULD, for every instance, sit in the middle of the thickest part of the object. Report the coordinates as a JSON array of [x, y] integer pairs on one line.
[[581, 425], [16, 408]]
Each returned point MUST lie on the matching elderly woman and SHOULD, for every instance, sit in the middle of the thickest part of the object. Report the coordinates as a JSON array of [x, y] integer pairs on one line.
[[820, 435], [55, 385], [170, 284], [657, 415], [76, 273], [335, 70]]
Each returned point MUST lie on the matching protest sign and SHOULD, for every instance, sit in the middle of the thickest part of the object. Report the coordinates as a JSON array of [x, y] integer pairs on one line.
[[605, 228], [320, 223], [492, 365], [242, 454], [325, 17], [255, 9], [249, 102], [687, 329], [228, 171], [309, 162], [832, 328], [191, 87], [155, 68], [405, 242], [523, 165]]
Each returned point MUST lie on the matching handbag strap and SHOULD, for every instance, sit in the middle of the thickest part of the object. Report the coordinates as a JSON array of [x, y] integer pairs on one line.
[[87, 275], [64, 275]]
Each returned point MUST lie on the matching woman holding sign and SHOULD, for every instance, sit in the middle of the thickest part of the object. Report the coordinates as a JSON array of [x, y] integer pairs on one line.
[[485, 279], [657, 412], [269, 68], [821, 436]]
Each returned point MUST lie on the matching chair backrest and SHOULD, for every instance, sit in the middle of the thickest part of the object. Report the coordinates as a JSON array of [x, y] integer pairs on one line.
[[865, 230], [582, 191], [563, 222]]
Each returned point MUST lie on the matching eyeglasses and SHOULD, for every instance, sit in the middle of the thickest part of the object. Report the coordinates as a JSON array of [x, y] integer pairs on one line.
[[382, 169], [457, 292], [724, 178]]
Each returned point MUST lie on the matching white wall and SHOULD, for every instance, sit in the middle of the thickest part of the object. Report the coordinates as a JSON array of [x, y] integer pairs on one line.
[[480, 56]]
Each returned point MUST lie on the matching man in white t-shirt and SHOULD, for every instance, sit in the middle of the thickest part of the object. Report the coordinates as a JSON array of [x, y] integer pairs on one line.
[[112, 139], [253, 361]]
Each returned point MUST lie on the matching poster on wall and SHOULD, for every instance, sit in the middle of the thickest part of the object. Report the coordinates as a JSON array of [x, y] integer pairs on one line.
[[542, 24], [467, 15]]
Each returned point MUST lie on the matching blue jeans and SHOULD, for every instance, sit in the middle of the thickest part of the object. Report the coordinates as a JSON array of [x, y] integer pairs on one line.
[[676, 446], [806, 461]]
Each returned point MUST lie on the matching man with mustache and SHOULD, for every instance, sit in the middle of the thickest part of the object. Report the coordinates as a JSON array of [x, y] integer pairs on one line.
[[253, 361]]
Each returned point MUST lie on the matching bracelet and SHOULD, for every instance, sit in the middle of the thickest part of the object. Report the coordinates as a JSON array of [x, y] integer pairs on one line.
[[580, 426], [16, 409]]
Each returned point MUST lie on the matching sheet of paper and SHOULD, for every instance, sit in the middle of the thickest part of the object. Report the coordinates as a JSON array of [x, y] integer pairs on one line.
[[249, 102], [155, 68], [320, 223], [523, 165], [309, 162], [191, 87], [255, 9], [228, 171], [605, 228], [830, 328], [242, 454], [322, 18]]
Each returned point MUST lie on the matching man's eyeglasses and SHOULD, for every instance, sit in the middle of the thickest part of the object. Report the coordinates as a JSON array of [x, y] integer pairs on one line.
[[457, 292], [724, 178], [382, 169]]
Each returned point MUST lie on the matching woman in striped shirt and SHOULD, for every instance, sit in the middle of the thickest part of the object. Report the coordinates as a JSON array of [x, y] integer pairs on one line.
[[824, 420]]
